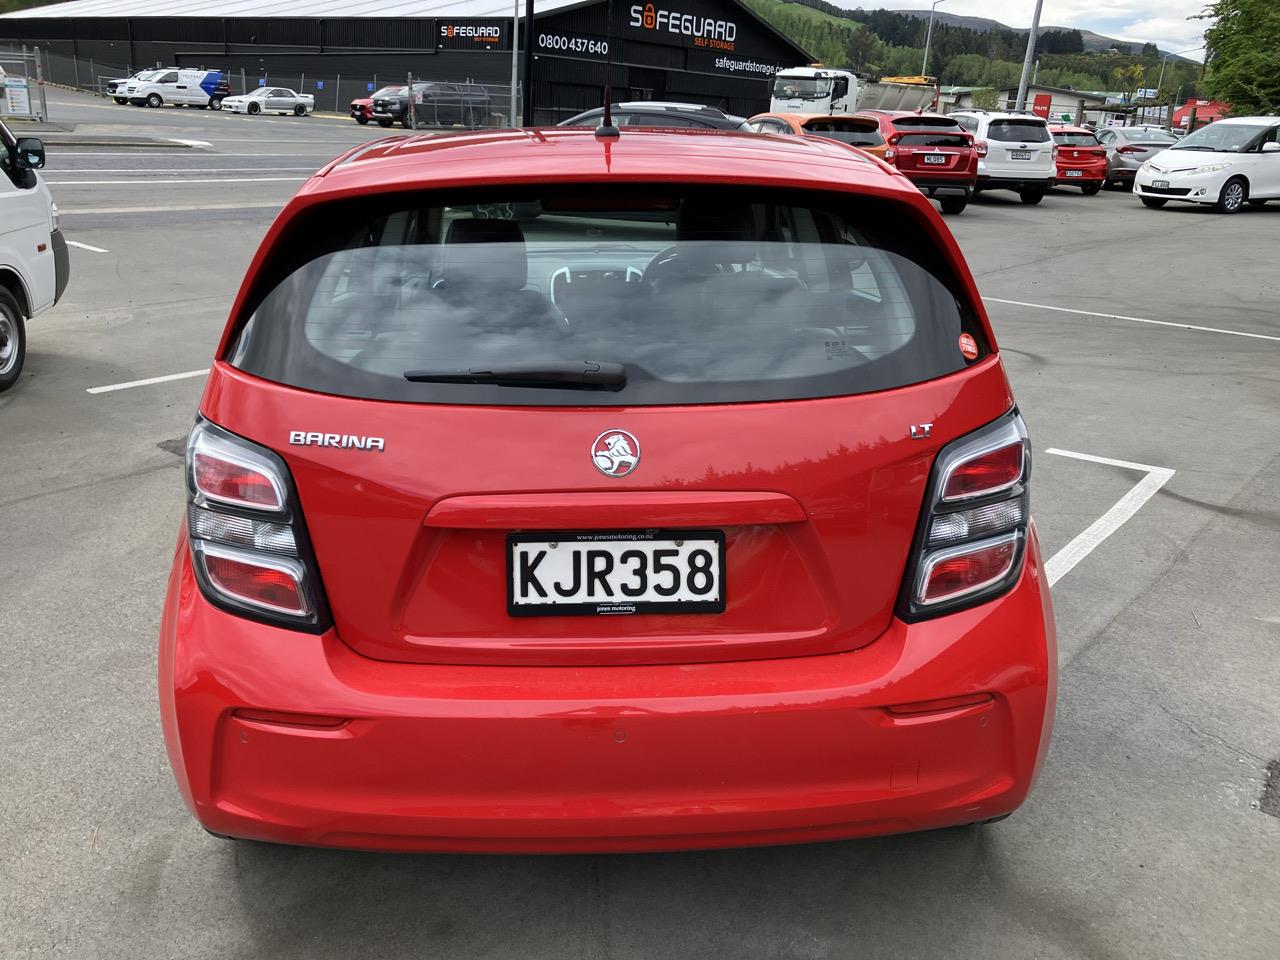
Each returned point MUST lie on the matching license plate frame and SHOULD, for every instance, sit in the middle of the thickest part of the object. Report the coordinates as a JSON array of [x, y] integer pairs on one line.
[[1019, 154], [1073, 173], [1160, 184], [620, 540], [936, 158]]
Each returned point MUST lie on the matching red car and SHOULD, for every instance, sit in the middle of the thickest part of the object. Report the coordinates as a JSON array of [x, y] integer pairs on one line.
[[362, 107], [933, 151], [689, 510], [1081, 159]]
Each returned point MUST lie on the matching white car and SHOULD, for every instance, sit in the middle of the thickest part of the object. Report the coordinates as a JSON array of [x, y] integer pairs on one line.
[[1020, 154], [176, 87], [271, 100], [1226, 164]]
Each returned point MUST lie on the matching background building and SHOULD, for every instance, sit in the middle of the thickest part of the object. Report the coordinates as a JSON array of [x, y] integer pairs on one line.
[[715, 52]]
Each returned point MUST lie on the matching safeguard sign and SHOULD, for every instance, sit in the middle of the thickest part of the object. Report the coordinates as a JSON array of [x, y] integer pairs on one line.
[[696, 29], [472, 35]]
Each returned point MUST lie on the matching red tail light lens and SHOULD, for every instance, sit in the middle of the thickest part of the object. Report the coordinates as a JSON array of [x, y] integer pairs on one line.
[[271, 583], [972, 536], [890, 155], [235, 483], [249, 545], [985, 473], [968, 569], [1127, 148]]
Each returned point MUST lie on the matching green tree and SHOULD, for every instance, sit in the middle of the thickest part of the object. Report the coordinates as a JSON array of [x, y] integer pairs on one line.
[[985, 99], [1242, 63]]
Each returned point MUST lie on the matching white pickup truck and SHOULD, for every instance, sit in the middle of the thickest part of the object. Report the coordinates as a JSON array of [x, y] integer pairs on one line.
[[830, 93], [34, 266]]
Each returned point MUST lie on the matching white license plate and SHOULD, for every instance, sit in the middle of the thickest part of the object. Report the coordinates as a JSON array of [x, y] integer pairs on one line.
[[615, 572], [1160, 184], [935, 158], [1074, 173], [1019, 154]]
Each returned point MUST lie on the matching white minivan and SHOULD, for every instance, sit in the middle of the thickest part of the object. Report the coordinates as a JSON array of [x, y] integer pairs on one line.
[[1015, 152], [34, 266], [189, 88], [1224, 165]]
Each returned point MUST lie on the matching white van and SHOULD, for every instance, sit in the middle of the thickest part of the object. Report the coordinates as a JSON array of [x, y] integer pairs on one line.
[[1016, 152], [188, 88], [34, 266]]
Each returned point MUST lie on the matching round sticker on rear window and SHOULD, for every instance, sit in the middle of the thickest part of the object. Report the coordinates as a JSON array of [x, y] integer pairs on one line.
[[968, 347]]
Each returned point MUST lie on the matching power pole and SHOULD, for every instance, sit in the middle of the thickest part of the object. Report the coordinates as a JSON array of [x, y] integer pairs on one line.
[[1021, 103], [528, 63], [515, 60]]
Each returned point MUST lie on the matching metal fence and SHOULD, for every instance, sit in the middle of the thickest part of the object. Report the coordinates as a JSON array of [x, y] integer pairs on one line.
[[333, 92], [21, 85]]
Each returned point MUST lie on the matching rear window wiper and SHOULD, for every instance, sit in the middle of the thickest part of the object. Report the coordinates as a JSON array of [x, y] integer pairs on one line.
[[559, 375]]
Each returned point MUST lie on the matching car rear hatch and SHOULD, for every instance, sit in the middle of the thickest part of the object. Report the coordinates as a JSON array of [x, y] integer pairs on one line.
[[722, 455], [1019, 145], [933, 154]]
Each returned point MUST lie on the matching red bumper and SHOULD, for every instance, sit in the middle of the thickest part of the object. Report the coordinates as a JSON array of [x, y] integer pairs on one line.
[[525, 759]]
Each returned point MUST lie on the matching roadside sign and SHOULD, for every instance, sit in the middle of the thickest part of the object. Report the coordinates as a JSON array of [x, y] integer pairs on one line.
[[319, 84], [1146, 93], [262, 81], [17, 96]]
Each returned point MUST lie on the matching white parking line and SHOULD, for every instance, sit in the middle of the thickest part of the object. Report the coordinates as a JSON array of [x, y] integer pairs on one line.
[[1118, 316], [1061, 563], [112, 387], [85, 246], [189, 143], [146, 183]]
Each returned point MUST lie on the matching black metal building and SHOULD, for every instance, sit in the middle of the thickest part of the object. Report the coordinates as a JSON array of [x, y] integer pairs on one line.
[[716, 52]]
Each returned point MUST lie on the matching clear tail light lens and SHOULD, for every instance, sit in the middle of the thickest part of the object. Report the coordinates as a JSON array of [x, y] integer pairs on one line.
[[973, 531], [249, 545], [890, 155], [981, 147]]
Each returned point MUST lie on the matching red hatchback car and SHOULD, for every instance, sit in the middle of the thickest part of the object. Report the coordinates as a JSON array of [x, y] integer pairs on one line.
[[560, 493], [934, 152], [1081, 159]]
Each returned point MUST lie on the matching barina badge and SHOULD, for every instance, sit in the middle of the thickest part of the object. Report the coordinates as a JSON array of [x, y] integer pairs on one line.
[[615, 453]]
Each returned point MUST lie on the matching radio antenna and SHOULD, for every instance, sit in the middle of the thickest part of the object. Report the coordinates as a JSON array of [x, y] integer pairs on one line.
[[607, 129]]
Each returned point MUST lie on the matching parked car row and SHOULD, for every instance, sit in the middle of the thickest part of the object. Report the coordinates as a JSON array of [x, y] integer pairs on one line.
[[435, 104], [205, 89]]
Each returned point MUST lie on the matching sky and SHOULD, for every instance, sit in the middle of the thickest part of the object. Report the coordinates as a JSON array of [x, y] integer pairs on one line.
[[1163, 22]]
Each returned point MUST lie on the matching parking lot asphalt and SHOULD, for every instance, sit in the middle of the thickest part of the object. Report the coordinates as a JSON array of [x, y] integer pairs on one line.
[[1146, 835]]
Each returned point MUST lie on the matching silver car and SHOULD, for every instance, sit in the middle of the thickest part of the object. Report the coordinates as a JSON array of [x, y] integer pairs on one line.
[[1128, 148]]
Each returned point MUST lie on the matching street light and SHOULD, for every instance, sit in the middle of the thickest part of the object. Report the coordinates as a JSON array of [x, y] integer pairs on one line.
[[1021, 103], [924, 67], [1165, 60]]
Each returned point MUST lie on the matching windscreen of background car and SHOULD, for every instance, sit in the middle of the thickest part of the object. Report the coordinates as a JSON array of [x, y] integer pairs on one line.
[[712, 296], [1220, 138], [1075, 140], [1018, 131], [846, 131]]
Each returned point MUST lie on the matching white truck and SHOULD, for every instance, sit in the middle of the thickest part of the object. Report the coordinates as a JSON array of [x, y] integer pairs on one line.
[[33, 254], [825, 92]]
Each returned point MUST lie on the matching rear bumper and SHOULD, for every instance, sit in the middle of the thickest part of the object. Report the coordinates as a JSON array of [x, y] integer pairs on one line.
[[1015, 183], [512, 759], [1068, 175], [944, 186]]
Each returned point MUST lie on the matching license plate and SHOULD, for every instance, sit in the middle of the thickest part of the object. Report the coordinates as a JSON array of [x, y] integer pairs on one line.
[[615, 572], [1075, 173], [1160, 184], [1019, 154], [935, 158]]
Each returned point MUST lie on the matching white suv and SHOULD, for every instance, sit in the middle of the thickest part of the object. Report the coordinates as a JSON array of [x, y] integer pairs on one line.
[[1020, 153], [1226, 164]]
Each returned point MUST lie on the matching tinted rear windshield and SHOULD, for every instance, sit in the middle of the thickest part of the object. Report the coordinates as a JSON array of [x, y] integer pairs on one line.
[[846, 131], [1075, 139], [933, 140], [1023, 131], [926, 123], [691, 296]]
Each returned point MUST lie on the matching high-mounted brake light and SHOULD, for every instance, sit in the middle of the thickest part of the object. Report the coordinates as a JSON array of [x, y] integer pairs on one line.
[[248, 543], [973, 531]]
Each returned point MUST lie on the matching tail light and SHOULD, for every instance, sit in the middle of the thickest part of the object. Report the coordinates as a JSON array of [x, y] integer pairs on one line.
[[973, 530], [981, 147], [1054, 151], [249, 545], [1129, 148], [890, 155]]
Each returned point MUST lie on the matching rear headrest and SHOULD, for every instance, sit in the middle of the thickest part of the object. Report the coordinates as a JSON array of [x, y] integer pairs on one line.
[[501, 263], [702, 220]]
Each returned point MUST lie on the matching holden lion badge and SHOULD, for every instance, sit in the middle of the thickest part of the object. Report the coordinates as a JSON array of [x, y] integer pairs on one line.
[[615, 453]]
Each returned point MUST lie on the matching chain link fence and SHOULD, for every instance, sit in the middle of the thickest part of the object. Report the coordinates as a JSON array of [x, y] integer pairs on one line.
[[482, 105]]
